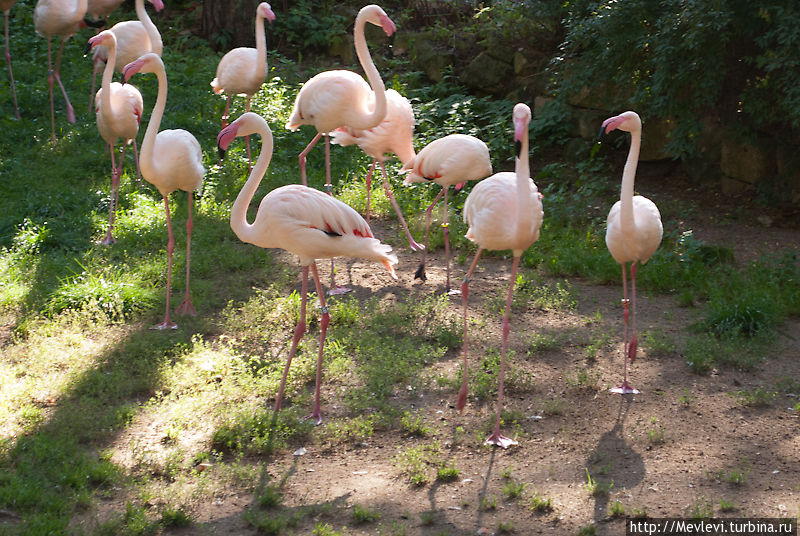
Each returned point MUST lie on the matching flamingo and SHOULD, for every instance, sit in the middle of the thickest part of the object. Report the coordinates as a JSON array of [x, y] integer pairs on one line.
[[170, 160], [503, 212], [633, 233], [453, 159], [339, 98], [119, 112], [134, 39], [303, 221], [395, 134], [242, 70], [62, 18], [6, 6]]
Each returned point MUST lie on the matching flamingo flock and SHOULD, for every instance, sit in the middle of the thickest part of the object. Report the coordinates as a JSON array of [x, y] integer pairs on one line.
[[503, 211]]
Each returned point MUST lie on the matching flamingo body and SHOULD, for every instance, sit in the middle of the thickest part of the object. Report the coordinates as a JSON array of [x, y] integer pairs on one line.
[[633, 233], [303, 221], [134, 37]]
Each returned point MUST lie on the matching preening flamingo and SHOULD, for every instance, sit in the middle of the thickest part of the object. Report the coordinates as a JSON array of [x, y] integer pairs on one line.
[[453, 159], [6, 6], [340, 98], [242, 70], [503, 212], [170, 160], [633, 234], [62, 18], [119, 111], [134, 39], [395, 134], [303, 221]]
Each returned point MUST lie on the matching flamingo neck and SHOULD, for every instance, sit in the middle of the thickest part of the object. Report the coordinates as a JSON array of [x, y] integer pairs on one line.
[[261, 48], [105, 83], [241, 227], [152, 32], [149, 141], [372, 119], [628, 177], [524, 218]]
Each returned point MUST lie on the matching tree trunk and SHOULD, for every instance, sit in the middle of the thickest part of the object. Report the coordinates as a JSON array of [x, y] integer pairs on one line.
[[227, 24]]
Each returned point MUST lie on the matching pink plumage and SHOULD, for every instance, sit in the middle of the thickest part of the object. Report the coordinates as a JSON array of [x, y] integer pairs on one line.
[[170, 160], [503, 212], [451, 160], [303, 221], [118, 109]]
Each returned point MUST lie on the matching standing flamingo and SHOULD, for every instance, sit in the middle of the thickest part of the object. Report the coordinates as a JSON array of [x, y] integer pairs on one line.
[[119, 112], [395, 134], [453, 159], [170, 160], [303, 221], [6, 6], [242, 70], [633, 234], [134, 39], [503, 212], [339, 98], [62, 18]]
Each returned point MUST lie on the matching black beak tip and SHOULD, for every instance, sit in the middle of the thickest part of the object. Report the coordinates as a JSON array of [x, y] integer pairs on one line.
[[221, 152], [518, 148], [600, 134], [87, 49]]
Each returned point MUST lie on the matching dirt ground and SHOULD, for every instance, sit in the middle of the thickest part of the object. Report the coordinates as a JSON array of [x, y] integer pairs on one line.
[[669, 451]]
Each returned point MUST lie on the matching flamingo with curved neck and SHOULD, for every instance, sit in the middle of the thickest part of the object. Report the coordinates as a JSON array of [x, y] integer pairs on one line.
[[340, 98], [303, 221], [633, 233], [118, 111], [170, 160], [503, 212], [242, 70]]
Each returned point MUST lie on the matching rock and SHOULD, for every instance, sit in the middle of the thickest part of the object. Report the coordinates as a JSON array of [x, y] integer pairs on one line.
[[486, 73], [746, 162]]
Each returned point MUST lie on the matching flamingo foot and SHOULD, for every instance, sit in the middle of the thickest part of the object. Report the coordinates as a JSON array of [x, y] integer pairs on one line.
[[462, 398], [315, 417], [186, 308], [415, 246], [70, 114], [499, 440], [420, 273], [109, 239], [335, 291], [165, 325], [624, 389]]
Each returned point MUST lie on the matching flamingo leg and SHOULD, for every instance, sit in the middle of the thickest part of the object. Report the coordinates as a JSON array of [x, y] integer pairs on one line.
[[497, 438], [70, 109], [624, 388], [10, 71], [109, 238], [50, 86], [325, 319], [446, 233], [462, 394], [368, 184], [136, 160], [335, 289], [225, 112], [298, 334], [186, 307], [420, 273], [302, 157], [167, 324], [634, 342], [411, 242]]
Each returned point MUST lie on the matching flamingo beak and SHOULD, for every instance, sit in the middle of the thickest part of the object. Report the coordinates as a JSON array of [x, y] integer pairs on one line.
[[158, 4], [612, 123], [388, 26], [269, 14], [225, 137]]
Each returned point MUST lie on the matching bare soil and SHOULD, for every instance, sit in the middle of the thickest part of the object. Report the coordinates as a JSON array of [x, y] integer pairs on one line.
[[669, 451]]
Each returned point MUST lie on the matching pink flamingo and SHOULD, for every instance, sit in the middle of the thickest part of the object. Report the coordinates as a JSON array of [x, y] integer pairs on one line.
[[242, 70], [334, 99], [303, 221], [134, 39], [395, 134], [119, 112], [62, 18], [633, 234], [503, 212], [453, 159], [6, 6], [170, 160]]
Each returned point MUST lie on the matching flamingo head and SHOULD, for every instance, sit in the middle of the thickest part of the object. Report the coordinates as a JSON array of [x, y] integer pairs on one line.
[[627, 121], [246, 124], [377, 16], [158, 4], [144, 64], [105, 38], [522, 118], [226, 136], [265, 10]]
